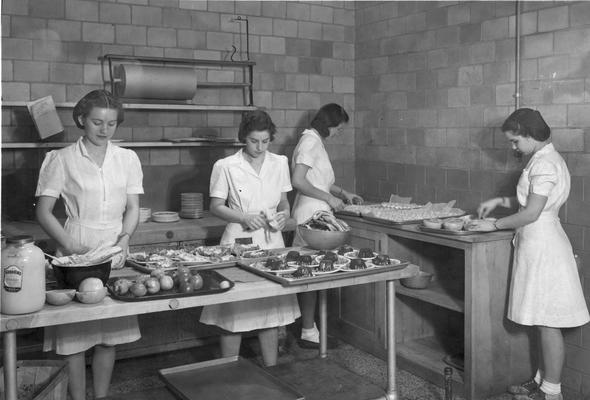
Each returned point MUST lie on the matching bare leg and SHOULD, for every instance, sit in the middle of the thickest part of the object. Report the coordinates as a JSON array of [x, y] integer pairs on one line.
[[77, 376], [269, 345], [230, 344], [307, 302], [103, 362], [553, 349]]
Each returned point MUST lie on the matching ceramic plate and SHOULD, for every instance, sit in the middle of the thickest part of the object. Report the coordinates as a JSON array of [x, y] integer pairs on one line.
[[353, 254]]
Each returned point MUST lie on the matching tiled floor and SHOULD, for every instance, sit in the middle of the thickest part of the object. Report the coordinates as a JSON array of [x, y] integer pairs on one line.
[[137, 379]]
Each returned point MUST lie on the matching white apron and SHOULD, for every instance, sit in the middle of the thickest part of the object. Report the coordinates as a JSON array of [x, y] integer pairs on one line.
[[311, 151], [234, 179], [95, 200], [545, 288]]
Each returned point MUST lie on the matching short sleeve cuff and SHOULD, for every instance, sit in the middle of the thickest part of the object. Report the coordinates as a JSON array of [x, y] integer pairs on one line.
[[48, 192], [218, 194], [543, 188], [135, 190], [287, 188]]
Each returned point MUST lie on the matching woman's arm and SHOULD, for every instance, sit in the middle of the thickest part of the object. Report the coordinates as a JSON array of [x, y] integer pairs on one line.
[[300, 182], [130, 221], [346, 196], [534, 206], [488, 206], [50, 224], [252, 221]]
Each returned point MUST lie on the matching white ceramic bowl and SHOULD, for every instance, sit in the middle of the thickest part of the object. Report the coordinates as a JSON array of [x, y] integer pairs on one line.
[[323, 240], [420, 281]]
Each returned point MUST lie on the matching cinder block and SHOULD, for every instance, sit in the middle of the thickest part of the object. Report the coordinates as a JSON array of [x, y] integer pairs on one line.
[[275, 9], [407, 81], [471, 75], [47, 89], [177, 132], [470, 33], [31, 71], [321, 48], [321, 14], [320, 83], [67, 30], [21, 49], [570, 91], [26, 27], [84, 52], [297, 82], [287, 64], [131, 34], [343, 84], [15, 7], [579, 13], [263, 99], [458, 14], [193, 4], [284, 100], [482, 11], [272, 45], [7, 68], [285, 28], [457, 179], [309, 30], [579, 165], [298, 11], [505, 50], [248, 8], [101, 33], [205, 21], [446, 37], [505, 94], [343, 17], [298, 47], [221, 119], [495, 73], [188, 38], [553, 19], [458, 137], [309, 65], [150, 16], [271, 81], [47, 8], [495, 29], [16, 91], [308, 101], [147, 133], [73, 94], [163, 118], [568, 139], [162, 37], [482, 53], [80, 10], [482, 95], [572, 41], [164, 157], [219, 40], [437, 17], [335, 33], [66, 73], [259, 26], [437, 59], [538, 45], [331, 66], [115, 13]]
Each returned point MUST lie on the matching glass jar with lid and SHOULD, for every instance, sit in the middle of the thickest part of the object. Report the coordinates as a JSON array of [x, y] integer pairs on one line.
[[23, 276]]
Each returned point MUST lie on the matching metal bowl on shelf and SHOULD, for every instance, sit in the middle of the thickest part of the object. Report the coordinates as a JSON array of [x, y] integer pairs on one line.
[[420, 281]]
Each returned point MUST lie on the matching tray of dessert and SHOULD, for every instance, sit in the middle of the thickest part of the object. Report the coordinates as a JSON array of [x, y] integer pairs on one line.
[[463, 226], [203, 257], [301, 267], [411, 216], [183, 281]]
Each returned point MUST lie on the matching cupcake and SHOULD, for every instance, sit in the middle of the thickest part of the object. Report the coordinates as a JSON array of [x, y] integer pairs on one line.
[[365, 252], [292, 256], [330, 255], [357, 263], [381, 259], [305, 261], [344, 249], [326, 266], [302, 272]]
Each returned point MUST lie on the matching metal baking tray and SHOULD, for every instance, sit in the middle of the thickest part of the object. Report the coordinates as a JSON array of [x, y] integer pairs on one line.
[[226, 378], [287, 281], [192, 265], [442, 231], [407, 222], [211, 281]]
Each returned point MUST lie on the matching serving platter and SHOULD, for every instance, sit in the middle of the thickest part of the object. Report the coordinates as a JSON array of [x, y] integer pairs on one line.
[[211, 285], [405, 222], [288, 280]]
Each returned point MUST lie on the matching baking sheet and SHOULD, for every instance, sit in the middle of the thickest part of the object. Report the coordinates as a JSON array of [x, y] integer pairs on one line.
[[442, 231], [211, 280], [341, 274], [226, 378], [408, 222], [143, 268]]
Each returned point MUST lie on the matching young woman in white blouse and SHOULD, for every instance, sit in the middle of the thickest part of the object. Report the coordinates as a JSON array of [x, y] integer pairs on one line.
[[314, 179], [99, 184], [246, 189]]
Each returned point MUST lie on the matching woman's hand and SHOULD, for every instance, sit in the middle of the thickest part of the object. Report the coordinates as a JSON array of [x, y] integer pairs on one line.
[[488, 206], [279, 221], [71, 249], [352, 198], [481, 225], [254, 221], [335, 203]]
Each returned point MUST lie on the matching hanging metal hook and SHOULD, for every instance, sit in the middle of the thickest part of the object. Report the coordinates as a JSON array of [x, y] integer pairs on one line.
[[239, 18]]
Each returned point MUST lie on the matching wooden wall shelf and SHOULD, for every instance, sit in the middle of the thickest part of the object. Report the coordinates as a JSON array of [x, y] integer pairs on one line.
[[56, 145], [150, 106]]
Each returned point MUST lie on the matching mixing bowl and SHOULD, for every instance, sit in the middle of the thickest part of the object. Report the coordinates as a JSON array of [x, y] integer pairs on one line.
[[323, 240], [70, 277]]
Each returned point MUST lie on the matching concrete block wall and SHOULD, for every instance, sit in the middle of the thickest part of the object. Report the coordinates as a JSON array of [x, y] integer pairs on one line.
[[435, 80], [304, 53]]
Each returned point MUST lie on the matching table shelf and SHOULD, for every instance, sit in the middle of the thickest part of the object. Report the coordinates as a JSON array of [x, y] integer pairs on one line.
[[435, 294]]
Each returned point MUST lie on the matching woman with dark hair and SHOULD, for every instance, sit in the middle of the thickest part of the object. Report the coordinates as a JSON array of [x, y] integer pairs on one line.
[[99, 184], [313, 177], [249, 191], [545, 291]]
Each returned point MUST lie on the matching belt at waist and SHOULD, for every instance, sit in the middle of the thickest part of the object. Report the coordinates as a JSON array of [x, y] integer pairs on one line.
[[112, 224]]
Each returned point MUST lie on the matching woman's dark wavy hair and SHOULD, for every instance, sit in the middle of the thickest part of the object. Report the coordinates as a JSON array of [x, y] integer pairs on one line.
[[256, 120], [100, 99], [527, 122], [329, 116]]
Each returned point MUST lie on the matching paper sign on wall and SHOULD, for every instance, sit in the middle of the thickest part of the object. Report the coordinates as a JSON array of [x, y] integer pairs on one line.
[[45, 116]]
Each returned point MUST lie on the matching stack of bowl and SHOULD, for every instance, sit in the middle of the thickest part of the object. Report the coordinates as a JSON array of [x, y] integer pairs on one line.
[[144, 214], [191, 205]]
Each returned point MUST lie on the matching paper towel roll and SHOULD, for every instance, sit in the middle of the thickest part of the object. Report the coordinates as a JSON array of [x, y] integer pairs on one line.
[[153, 82]]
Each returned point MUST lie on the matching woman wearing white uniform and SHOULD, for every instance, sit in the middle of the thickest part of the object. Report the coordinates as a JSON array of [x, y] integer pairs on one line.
[[314, 179], [249, 190], [545, 291], [99, 184]]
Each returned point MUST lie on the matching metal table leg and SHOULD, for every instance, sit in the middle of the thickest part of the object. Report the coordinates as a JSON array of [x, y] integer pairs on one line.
[[323, 324], [10, 385]]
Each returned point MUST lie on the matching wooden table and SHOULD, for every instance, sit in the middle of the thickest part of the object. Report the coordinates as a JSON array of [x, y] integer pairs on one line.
[[247, 286]]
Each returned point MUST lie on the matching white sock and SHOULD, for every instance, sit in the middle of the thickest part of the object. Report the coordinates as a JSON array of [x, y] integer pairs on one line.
[[551, 388], [538, 378], [311, 334]]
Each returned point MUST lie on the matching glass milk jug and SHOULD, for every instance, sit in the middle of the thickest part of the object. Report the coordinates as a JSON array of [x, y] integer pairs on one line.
[[23, 276]]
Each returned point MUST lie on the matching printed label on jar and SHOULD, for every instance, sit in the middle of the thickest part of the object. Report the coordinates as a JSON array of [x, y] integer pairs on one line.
[[13, 279]]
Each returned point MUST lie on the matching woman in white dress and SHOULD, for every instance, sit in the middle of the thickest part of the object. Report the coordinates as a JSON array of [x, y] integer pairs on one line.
[[545, 290], [99, 184], [249, 190], [313, 177]]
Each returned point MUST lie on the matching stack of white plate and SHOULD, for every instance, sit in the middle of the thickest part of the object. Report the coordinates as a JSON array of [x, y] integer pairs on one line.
[[144, 214], [191, 205], [165, 216]]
